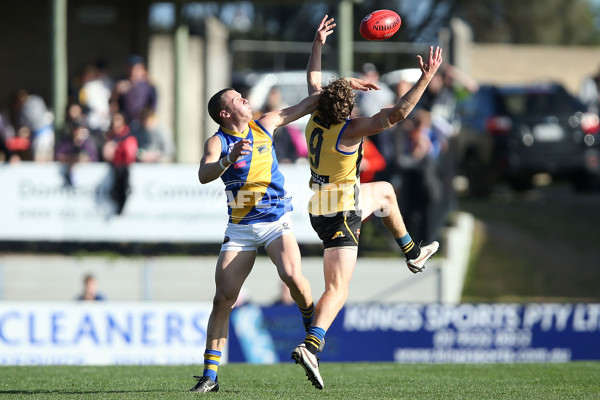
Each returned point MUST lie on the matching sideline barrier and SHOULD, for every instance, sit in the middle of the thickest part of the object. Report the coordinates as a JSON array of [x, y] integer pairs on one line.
[[166, 204], [433, 333], [110, 333], [102, 333]]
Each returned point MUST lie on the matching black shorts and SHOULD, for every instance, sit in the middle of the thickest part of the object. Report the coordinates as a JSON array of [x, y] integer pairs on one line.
[[338, 230]]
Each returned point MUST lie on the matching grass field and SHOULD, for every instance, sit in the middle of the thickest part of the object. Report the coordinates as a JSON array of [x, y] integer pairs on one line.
[[576, 380], [537, 246]]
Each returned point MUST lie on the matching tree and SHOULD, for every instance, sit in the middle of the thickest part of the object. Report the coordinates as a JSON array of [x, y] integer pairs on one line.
[[530, 22]]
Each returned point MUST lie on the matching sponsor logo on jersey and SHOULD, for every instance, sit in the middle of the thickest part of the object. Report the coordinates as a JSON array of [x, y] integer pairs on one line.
[[319, 179], [263, 148]]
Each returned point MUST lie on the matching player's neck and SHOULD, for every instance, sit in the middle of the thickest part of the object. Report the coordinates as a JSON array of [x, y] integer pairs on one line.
[[237, 127], [240, 129]]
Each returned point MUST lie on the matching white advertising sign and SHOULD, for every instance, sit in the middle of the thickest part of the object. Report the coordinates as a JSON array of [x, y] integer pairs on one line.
[[166, 204], [102, 333]]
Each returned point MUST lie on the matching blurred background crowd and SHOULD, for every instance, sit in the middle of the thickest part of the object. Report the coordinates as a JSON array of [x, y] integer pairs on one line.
[[137, 75], [102, 113]]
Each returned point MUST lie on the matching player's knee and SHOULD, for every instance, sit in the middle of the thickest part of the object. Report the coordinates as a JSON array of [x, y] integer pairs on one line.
[[224, 300], [339, 292], [387, 191], [295, 282]]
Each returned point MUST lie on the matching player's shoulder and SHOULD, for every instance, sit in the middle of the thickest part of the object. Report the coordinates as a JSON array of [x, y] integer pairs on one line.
[[214, 142], [216, 137]]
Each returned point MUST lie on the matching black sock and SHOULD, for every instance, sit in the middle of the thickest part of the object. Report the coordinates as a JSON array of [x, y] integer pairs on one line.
[[410, 248], [413, 253]]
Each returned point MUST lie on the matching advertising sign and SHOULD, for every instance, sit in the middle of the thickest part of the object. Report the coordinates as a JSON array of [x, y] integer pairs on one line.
[[102, 333], [439, 333], [132, 333]]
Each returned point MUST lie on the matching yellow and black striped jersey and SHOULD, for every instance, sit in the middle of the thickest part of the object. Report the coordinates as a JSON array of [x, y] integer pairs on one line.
[[334, 173]]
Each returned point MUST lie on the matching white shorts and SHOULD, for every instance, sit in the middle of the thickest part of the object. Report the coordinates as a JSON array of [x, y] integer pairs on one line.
[[250, 237]]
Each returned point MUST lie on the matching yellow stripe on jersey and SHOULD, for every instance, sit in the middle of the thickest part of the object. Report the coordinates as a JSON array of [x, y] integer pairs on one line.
[[259, 175], [334, 174]]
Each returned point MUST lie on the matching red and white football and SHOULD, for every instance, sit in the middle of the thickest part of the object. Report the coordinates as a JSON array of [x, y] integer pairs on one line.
[[380, 25]]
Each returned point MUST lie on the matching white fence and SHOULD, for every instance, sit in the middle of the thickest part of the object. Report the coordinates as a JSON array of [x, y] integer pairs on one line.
[[166, 204]]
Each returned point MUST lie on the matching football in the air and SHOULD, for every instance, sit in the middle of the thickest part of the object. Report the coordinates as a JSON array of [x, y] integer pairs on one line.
[[380, 25]]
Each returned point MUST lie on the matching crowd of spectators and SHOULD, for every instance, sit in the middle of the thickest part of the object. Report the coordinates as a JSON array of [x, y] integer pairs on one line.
[[27, 129], [416, 154], [115, 121]]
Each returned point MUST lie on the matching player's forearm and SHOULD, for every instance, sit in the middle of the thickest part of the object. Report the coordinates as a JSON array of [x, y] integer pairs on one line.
[[313, 69], [306, 106], [208, 172], [407, 103]]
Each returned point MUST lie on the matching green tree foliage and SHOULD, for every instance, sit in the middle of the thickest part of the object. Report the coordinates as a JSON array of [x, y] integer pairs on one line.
[[566, 22], [533, 21]]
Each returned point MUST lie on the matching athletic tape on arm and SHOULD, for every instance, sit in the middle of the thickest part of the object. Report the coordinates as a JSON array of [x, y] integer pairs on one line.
[[383, 118]]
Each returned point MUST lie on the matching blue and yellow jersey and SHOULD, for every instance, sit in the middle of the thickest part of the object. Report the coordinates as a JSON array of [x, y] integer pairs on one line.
[[253, 184], [334, 173]]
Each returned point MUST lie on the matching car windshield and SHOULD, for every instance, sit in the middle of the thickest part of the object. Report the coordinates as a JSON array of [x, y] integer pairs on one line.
[[538, 103]]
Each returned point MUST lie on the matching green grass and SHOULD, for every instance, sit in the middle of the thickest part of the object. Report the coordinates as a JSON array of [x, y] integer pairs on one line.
[[576, 380], [538, 246]]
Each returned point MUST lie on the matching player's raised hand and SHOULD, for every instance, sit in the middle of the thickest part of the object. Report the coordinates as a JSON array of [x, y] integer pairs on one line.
[[433, 63], [325, 29], [361, 84]]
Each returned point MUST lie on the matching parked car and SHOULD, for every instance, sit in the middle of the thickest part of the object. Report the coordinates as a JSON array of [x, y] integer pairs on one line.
[[510, 133]]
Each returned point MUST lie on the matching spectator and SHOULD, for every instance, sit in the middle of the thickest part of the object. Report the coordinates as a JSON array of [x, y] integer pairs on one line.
[[7, 142], [34, 122], [371, 163], [114, 151], [422, 187], [136, 93], [90, 290], [154, 142], [94, 97], [432, 92], [448, 88], [370, 103], [120, 150], [76, 146], [74, 116]]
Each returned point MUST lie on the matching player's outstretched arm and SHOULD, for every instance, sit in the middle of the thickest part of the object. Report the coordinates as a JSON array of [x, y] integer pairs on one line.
[[274, 119], [313, 69], [408, 102], [388, 117]]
